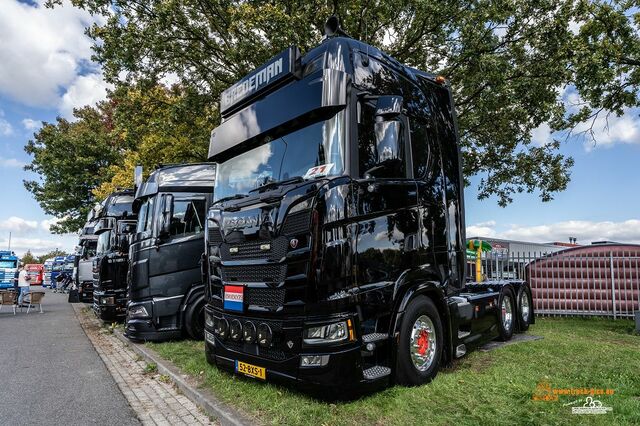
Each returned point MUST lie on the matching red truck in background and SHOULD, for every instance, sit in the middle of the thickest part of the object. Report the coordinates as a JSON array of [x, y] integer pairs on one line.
[[36, 272]]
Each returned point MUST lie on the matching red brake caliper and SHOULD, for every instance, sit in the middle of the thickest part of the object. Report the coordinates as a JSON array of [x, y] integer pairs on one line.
[[423, 342], [504, 312]]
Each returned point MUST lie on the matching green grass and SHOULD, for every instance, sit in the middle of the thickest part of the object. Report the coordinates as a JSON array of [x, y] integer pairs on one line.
[[483, 388]]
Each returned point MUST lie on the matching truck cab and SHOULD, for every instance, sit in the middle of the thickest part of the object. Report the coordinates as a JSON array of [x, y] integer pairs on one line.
[[114, 225], [36, 272], [57, 267], [336, 237], [166, 289], [85, 252], [8, 268], [48, 268]]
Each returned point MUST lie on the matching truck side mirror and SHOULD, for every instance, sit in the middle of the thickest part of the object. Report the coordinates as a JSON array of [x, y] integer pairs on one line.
[[123, 242], [388, 106], [166, 215], [388, 134]]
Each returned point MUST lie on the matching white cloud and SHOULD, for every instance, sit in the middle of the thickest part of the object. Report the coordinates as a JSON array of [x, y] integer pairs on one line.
[[11, 162], [18, 224], [608, 131], [541, 135], [480, 231], [46, 224], [31, 124], [42, 50], [38, 246], [85, 90], [169, 79], [5, 126], [585, 231]]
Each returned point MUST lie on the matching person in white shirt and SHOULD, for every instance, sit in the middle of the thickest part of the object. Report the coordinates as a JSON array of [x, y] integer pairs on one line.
[[23, 284]]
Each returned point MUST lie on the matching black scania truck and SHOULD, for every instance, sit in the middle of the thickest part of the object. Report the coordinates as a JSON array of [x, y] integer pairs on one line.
[[115, 224], [85, 252], [166, 290], [336, 239]]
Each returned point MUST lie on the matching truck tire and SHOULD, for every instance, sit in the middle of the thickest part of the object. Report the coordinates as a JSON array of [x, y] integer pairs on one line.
[[421, 343], [506, 314], [525, 307], [194, 319]]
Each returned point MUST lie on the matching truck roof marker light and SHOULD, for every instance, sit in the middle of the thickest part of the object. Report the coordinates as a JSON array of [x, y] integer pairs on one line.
[[440, 79], [351, 333]]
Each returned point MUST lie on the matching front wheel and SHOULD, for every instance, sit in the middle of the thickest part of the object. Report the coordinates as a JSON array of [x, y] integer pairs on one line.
[[420, 345], [194, 319]]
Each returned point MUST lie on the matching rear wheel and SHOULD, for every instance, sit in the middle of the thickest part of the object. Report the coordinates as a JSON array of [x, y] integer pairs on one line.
[[194, 319], [507, 317], [525, 308], [421, 343]]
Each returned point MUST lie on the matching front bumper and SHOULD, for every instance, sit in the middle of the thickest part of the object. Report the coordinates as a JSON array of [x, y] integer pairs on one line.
[[85, 292], [162, 323], [341, 375], [108, 309]]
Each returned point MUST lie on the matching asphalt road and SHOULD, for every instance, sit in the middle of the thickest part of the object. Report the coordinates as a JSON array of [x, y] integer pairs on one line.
[[50, 373]]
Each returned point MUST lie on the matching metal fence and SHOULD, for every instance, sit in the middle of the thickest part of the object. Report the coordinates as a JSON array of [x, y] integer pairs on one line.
[[587, 281]]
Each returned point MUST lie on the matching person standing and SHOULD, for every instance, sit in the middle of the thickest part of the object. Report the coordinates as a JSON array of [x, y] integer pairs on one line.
[[16, 288], [23, 283]]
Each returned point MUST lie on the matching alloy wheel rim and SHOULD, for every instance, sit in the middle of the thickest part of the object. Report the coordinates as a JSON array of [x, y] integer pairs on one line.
[[507, 313], [422, 344]]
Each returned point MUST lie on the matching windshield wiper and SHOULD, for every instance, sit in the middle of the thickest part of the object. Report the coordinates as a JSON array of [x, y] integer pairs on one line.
[[231, 197], [274, 184]]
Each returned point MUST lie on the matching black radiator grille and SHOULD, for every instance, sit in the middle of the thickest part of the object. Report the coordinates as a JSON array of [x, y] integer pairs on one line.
[[265, 297], [215, 237], [254, 273], [276, 250], [297, 223], [269, 353]]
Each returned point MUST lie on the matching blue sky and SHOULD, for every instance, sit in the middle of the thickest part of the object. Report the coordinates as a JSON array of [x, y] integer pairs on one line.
[[46, 70]]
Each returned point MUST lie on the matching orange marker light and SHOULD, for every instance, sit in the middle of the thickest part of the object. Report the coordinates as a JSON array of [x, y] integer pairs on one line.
[[352, 337], [440, 79]]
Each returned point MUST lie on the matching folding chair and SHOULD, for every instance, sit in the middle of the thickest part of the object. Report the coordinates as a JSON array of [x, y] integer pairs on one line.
[[8, 298], [35, 298]]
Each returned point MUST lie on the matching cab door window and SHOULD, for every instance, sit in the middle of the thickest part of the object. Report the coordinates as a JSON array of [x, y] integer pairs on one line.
[[188, 217]]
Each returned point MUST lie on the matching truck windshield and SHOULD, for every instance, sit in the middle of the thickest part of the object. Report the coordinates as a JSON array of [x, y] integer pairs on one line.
[[103, 243], [7, 263], [119, 205], [289, 156]]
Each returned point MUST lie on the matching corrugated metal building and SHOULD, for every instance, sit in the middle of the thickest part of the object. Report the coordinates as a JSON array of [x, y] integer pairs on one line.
[[600, 279]]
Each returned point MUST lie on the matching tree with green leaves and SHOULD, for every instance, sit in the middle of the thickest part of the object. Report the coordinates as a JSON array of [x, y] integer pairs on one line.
[[50, 255], [71, 159], [510, 64], [28, 258], [80, 162]]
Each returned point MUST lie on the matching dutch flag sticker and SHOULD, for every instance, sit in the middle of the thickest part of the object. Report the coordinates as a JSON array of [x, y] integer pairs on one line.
[[233, 298]]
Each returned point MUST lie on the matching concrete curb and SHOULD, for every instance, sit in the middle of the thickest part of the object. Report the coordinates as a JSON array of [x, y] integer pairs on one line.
[[201, 397]]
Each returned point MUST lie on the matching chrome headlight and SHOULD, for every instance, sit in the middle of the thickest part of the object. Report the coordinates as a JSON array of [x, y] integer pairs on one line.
[[138, 312], [208, 320], [329, 333], [108, 300]]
